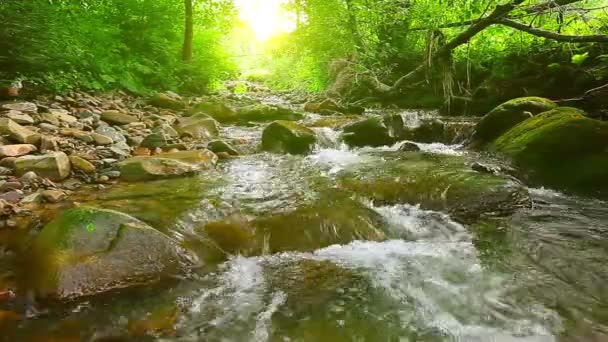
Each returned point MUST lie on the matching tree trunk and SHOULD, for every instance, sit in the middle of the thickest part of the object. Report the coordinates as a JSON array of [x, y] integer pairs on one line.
[[188, 32]]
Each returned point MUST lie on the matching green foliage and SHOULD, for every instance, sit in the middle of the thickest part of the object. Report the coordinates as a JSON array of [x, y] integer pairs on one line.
[[580, 58], [97, 45]]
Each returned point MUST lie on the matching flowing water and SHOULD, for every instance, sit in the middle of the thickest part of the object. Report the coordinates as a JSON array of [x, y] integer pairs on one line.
[[537, 275]]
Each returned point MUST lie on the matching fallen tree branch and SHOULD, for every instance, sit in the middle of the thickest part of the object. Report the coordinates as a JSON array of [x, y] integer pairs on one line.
[[598, 38]]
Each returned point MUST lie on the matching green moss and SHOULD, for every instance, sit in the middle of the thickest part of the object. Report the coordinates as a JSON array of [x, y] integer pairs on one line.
[[561, 148], [288, 137], [377, 131], [506, 116]]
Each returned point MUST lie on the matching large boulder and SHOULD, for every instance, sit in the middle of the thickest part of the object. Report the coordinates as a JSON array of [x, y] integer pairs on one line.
[[376, 131], [55, 166], [18, 133], [506, 116], [87, 251], [288, 137], [435, 182], [218, 110], [198, 126], [560, 148], [166, 165], [264, 112], [167, 100]]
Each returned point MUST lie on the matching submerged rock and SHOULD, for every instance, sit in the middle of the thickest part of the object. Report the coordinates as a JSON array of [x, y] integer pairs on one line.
[[560, 148], [506, 116], [436, 182], [288, 137], [377, 131], [87, 251]]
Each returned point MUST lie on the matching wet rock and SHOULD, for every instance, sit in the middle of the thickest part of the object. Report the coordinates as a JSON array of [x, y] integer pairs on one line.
[[198, 127], [337, 122], [154, 140], [53, 196], [20, 118], [18, 133], [87, 251], [55, 166], [16, 150], [506, 116], [219, 146], [561, 148], [115, 117], [288, 137], [436, 182], [378, 131], [111, 133], [26, 107], [217, 110], [167, 101], [101, 139], [485, 168], [137, 169], [202, 159], [409, 147], [82, 165], [264, 113]]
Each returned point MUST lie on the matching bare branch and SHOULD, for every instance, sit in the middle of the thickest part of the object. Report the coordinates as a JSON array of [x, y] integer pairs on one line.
[[598, 38]]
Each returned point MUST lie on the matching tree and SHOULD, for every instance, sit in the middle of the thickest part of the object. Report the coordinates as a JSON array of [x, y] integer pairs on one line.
[[188, 31]]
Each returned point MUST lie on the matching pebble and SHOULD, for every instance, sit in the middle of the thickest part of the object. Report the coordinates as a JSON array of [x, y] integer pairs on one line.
[[29, 177]]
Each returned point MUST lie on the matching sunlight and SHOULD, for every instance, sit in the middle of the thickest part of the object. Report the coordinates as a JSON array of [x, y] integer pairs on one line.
[[265, 17]]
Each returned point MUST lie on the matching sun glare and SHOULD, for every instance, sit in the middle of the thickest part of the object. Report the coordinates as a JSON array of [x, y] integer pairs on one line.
[[265, 17]]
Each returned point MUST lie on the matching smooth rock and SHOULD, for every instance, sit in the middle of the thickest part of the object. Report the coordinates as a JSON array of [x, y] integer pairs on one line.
[[20, 118], [26, 107], [18, 133], [111, 133], [53, 196], [55, 166], [288, 137], [154, 140], [82, 165], [101, 139], [198, 127], [167, 100], [16, 150], [219, 146], [117, 118]]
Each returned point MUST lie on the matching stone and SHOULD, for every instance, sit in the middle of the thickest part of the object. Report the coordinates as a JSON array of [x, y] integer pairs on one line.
[[14, 196], [55, 166], [264, 113], [167, 100], [29, 177], [138, 169], [5, 171], [89, 251], [48, 144], [111, 133], [336, 122], [115, 117], [9, 186], [154, 140], [8, 162], [142, 151], [26, 107], [507, 116], [375, 132], [101, 139], [49, 118], [202, 159], [48, 127], [198, 127], [16, 150], [217, 110], [53, 196], [82, 164], [409, 147], [120, 151], [562, 149], [288, 137], [18, 133], [63, 115], [219, 146], [167, 130], [20, 118]]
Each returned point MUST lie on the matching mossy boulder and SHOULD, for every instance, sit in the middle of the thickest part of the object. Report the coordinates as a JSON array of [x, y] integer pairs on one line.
[[376, 131], [288, 137], [167, 101], [218, 110], [506, 116], [198, 126], [220, 146], [87, 251], [561, 148], [436, 182], [336, 122], [166, 165], [265, 113]]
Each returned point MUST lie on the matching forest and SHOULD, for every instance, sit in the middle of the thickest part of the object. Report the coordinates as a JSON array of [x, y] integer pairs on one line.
[[303, 170]]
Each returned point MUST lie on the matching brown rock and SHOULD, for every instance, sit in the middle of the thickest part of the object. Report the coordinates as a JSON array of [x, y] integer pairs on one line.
[[142, 151], [117, 118], [82, 165], [16, 150], [48, 144], [53, 196], [17, 132], [55, 166], [20, 118], [101, 139]]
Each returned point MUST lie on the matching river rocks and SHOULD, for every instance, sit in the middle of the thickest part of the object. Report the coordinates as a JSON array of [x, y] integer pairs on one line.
[[16, 150], [436, 182], [55, 166], [560, 148], [377, 131], [26, 107], [167, 101], [288, 137], [198, 127], [166, 165], [87, 251], [263, 113], [20, 118], [101, 139], [111, 133], [82, 165], [17, 132], [154, 140], [220, 146], [506, 116], [115, 117], [336, 122]]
